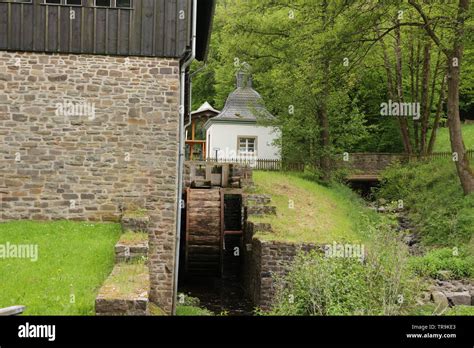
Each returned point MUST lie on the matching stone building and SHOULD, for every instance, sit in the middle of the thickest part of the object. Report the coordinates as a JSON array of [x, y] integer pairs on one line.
[[90, 122]]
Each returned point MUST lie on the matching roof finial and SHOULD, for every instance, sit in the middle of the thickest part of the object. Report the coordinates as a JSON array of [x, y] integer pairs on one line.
[[244, 76]]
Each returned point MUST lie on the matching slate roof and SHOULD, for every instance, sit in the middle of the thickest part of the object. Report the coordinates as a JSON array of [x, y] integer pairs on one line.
[[243, 104]]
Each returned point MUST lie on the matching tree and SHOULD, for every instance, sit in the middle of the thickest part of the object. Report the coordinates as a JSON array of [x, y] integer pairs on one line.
[[454, 56]]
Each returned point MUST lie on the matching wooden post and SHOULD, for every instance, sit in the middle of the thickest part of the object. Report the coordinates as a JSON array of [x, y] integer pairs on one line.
[[222, 225], [186, 242]]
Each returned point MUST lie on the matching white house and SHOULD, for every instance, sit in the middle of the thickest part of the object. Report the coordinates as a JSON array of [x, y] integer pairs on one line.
[[235, 133]]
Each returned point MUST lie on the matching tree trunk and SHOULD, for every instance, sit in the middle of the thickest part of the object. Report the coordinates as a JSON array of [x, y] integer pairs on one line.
[[454, 57], [402, 120], [416, 123], [438, 115], [425, 104], [325, 161], [457, 145]]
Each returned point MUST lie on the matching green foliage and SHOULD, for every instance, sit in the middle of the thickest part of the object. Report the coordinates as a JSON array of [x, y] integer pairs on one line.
[[435, 202], [74, 259], [460, 310], [186, 300], [289, 44], [382, 285], [184, 310], [444, 263]]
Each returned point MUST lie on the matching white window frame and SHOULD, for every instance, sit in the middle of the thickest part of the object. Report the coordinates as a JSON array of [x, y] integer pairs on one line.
[[247, 138]]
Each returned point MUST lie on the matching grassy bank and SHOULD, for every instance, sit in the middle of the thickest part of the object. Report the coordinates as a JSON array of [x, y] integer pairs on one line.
[[433, 197], [440, 214], [74, 259], [442, 138], [309, 212]]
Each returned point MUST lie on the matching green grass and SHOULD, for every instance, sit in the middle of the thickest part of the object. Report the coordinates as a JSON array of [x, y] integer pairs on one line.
[[184, 311], [309, 212], [460, 310], [442, 138], [129, 238], [74, 259], [431, 309]]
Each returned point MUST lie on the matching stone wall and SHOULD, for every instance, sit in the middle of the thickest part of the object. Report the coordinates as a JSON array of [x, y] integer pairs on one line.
[[371, 163], [84, 137], [264, 262]]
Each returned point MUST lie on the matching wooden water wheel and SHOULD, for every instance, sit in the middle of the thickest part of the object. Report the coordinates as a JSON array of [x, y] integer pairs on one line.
[[203, 232]]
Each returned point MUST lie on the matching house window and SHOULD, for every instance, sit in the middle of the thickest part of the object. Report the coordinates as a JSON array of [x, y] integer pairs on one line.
[[114, 3], [64, 2], [124, 3], [247, 145], [103, 3]]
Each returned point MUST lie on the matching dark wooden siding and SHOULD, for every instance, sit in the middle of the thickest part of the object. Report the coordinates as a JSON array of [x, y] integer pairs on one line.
[[152, 28]]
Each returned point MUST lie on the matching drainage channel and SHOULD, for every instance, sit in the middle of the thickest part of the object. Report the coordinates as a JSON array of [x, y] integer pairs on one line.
[[222, 296]]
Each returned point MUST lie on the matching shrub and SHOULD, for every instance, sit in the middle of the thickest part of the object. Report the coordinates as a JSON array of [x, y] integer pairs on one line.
[[445, 263], [316, 285], [192, 311]]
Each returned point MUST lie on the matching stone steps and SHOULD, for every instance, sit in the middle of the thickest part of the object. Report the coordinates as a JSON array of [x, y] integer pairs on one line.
[[131, 250], [135, 222], [257, 199], [125, 292], [261, 210]]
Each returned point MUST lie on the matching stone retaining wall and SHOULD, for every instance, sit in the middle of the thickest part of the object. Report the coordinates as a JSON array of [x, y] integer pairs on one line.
[[264, 261], [370, 163]]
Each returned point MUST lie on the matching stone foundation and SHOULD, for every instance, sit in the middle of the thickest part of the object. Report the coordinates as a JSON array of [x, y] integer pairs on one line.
[[264, 262]]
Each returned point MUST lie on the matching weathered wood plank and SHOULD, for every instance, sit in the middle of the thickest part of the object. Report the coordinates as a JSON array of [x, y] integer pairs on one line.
[[3, 26], [204, 204], [100, 31], [152, 28], [170, 27], [16, 27], [52, 28], [64, 31], [27, 31], [112, 37], [147, 25]]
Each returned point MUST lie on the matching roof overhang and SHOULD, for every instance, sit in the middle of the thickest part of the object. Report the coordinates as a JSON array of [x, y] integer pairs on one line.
[[206, 9]]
